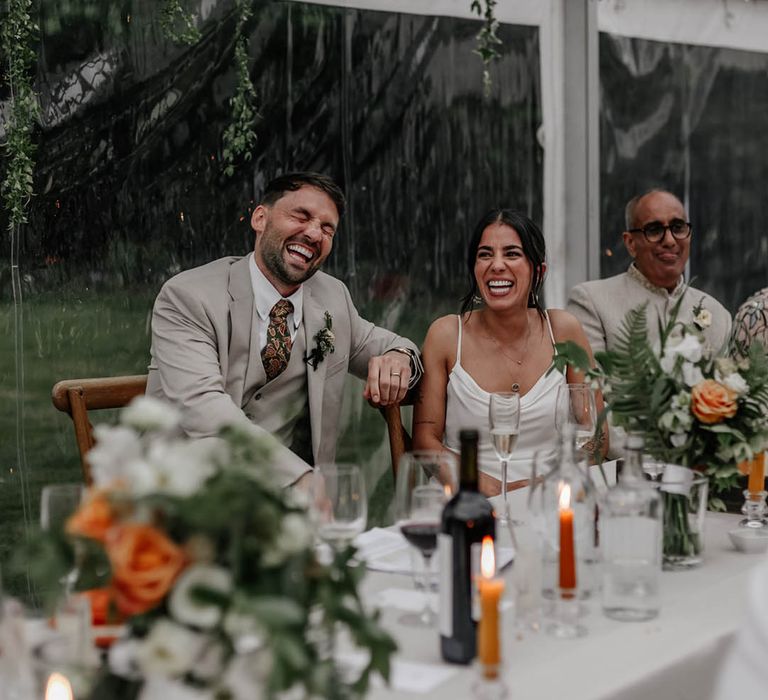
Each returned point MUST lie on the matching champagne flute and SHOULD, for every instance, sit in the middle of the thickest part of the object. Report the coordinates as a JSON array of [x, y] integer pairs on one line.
[[504, 424], [575, 405], [339, 503], [439, 472], [420, 525]]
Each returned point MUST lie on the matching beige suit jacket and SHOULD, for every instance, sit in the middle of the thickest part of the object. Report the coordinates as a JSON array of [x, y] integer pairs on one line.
[[602, 305], [206, 356]]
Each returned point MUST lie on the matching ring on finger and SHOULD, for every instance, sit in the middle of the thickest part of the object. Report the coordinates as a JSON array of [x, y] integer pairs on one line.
[[395, 374]]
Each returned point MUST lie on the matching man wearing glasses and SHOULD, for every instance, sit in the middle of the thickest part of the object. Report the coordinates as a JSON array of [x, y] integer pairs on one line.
[[658, 237]]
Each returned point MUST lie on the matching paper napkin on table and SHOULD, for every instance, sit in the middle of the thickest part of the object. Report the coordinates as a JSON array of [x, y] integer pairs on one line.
[[385, 549]]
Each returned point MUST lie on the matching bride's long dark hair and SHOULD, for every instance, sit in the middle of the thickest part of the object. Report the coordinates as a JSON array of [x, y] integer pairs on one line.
[[534, 250]]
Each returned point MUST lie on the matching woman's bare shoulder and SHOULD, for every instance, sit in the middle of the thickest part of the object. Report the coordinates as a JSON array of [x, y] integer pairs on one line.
[[564, 324]]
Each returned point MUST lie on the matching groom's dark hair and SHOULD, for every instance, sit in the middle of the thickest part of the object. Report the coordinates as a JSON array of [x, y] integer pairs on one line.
[[290, 182]]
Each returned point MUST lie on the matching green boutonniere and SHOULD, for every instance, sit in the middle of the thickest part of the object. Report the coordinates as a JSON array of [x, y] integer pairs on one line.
[[323, 343]]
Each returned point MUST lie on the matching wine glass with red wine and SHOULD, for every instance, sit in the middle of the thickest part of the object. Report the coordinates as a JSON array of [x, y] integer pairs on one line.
[[420, 524]]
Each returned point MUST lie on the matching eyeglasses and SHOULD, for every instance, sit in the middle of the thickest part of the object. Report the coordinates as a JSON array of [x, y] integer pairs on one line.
[[655, 231]]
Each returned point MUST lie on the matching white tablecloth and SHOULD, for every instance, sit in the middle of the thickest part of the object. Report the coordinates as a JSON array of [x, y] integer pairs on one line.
[[674, 657]]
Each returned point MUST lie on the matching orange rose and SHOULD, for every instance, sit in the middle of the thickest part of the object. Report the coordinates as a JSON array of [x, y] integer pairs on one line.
[[145, 563], [93, 518], [102, 611], [711, 402]]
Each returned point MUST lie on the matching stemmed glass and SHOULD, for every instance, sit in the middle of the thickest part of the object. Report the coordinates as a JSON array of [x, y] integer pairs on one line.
[[576, 406], [339, 503], [57, 503], [504, 424], [426, 480], [420, 526]]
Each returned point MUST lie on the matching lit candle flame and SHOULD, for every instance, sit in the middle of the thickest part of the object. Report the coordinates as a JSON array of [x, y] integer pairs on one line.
[[58, 688], [565, 496], [487, 558]]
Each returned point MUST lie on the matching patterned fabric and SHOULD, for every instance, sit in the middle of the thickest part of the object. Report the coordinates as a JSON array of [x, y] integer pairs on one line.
[[277, 351], [751, 323]]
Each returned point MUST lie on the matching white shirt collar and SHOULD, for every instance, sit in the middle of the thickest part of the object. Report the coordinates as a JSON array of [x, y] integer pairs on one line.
[[266, 296]]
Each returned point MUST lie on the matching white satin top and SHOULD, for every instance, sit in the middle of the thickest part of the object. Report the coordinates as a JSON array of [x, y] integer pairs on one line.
[[466, 406]]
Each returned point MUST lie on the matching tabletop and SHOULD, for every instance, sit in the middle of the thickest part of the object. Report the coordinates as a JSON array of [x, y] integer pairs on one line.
[[677, 655]]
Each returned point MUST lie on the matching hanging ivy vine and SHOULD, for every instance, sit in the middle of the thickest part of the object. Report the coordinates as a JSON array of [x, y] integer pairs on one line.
[[240, 136], [177, 24], [487, 39], [18, 35]]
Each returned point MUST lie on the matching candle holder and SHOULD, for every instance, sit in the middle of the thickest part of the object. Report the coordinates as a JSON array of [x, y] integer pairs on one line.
[[755, 509], [566, 612], [754, 496], [489, 687]]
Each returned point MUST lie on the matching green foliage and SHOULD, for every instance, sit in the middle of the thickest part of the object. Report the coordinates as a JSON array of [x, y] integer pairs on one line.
[[177, 24], [240, 137], [659, 390], [18, 35], [487, 39], [237, 519]]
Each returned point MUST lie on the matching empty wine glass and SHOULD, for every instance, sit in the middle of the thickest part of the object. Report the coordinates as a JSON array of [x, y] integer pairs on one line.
[[339, 503], [437, 471], [504, 424], [576, 405], [57, 503]]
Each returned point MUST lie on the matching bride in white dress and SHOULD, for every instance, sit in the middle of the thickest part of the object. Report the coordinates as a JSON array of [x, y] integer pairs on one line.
[[506, 345]]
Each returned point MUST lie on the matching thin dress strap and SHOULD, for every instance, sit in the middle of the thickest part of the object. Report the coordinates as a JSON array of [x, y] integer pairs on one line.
[[458, 342], [551, 334]]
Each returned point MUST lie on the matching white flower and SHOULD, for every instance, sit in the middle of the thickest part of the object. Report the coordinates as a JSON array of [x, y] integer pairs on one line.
[[115, 450], [678, 439], [160, 688], [123, 658], [295, 535], [147, 413], [246, 675], [692, 375], [734, 381], [686, 346], [211, 664], [182, 604], [178, 468], [169, 649], [703, 319]]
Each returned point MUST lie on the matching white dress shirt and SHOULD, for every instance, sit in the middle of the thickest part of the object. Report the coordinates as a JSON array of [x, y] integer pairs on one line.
[[266, 296]]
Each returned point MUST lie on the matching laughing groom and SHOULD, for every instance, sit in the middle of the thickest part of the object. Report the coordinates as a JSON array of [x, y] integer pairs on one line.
[[268, 338]]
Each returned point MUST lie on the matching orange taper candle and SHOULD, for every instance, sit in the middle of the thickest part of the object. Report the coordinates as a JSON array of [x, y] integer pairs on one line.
[[567, 556], [757, 474], [491, 588]]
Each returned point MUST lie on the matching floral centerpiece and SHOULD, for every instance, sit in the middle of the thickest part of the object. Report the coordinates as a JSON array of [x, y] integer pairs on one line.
[[695, 409], [212, 566]]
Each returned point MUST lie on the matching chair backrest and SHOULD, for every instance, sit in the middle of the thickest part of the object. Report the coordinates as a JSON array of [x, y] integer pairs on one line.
[[78, 396], [399, 439]]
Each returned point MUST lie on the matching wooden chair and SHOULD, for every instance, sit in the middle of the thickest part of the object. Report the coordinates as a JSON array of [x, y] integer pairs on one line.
[[78, 396], [399, 439]]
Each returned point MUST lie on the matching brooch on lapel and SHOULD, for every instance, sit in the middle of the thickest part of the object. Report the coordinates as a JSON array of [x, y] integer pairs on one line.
[[323, 343]]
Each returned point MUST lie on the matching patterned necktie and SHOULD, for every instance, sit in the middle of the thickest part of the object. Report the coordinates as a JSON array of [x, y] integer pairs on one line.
[[277, 351]]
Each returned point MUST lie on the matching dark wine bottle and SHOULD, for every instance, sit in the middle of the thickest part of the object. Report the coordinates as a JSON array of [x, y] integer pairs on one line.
[[467, 518]]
